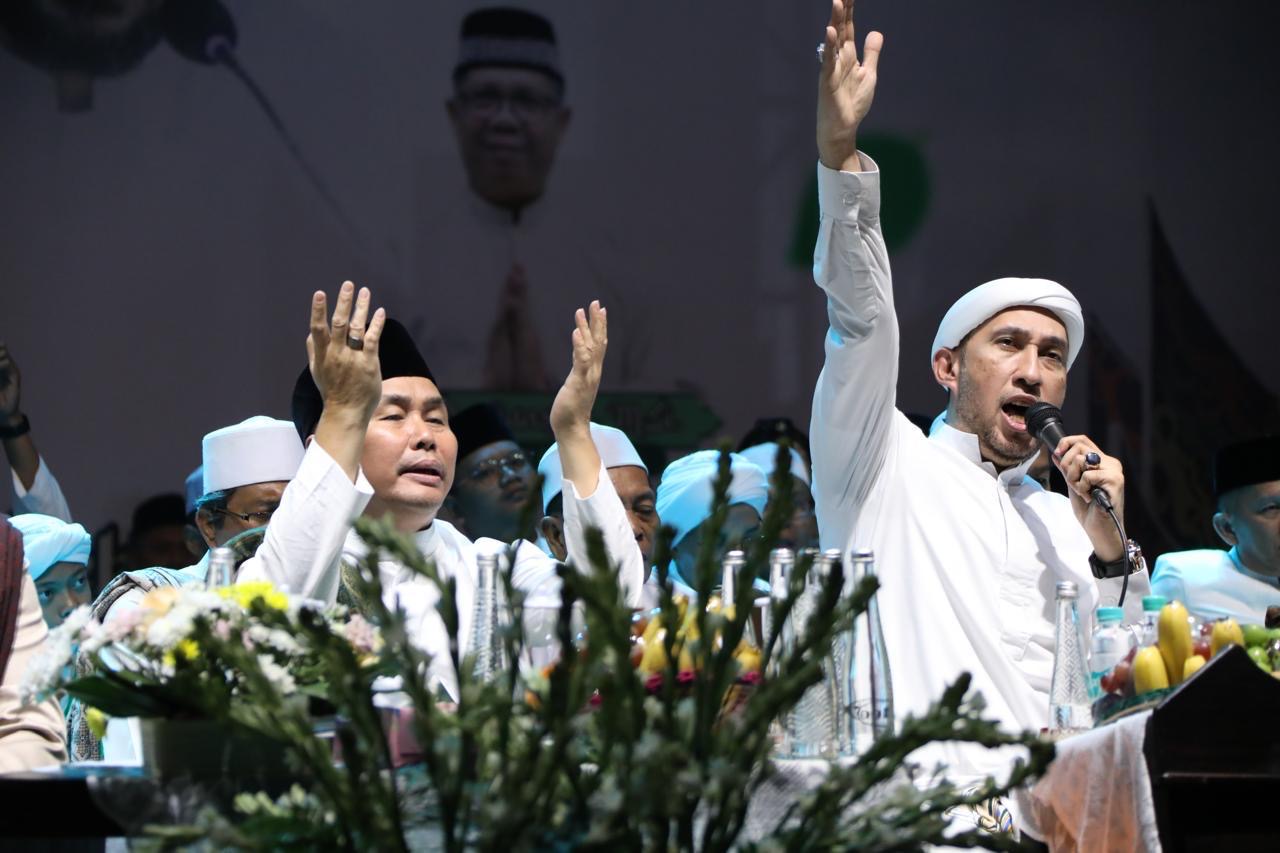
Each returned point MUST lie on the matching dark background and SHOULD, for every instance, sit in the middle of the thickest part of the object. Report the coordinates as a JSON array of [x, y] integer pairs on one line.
[[159, 248]]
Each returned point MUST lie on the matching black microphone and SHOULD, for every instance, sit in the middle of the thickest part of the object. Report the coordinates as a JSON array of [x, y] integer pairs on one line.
[[200, 30], [1044, 421]]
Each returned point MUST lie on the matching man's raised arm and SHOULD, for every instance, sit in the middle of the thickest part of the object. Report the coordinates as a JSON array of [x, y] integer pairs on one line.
[[853, 404]]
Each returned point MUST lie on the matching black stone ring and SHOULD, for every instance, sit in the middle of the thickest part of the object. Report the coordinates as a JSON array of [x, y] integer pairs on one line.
[[1092, 458], [355, 342]]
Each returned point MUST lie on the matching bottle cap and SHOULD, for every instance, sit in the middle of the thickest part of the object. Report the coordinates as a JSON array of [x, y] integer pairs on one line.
[[1067, 589], [1110, 614], [1153, 602]]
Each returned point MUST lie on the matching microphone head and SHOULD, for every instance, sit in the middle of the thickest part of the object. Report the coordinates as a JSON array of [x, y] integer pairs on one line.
[[201, 30], [1040, 415]]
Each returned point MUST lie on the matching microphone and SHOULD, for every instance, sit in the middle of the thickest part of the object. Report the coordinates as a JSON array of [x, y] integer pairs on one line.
[[1044, 421]]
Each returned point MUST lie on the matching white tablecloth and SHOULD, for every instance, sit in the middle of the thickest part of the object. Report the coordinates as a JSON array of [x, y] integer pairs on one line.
[[1097, 795]]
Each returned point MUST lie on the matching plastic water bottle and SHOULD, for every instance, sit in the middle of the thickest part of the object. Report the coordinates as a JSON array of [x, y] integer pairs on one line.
[[1069, 705], [1110, 645], [1148, 629], [811, 728]]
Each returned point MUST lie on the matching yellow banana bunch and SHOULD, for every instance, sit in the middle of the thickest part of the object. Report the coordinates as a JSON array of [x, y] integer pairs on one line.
[[1148, 671], [1191, 666], [1225, 633], [1174, 640]]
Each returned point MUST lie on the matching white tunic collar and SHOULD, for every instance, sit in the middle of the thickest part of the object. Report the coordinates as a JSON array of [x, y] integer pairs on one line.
[[966, 444]]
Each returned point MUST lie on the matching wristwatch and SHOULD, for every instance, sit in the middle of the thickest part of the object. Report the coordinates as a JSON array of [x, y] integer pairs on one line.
[[22, 428], [1131, 563]]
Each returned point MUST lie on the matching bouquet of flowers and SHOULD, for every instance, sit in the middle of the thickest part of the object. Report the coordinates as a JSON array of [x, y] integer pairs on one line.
[[182, 654]]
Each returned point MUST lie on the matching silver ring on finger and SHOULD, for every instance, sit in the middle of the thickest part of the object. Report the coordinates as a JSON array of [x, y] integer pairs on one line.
[[822, 50], [355, 341]]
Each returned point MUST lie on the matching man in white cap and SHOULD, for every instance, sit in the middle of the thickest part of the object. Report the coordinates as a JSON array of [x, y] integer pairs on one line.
[[375, 418], [630, 477], [685, 497], [246, 467], [968, 548]]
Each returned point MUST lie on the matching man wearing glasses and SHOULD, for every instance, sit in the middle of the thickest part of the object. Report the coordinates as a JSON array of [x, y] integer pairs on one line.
[[490, 495]]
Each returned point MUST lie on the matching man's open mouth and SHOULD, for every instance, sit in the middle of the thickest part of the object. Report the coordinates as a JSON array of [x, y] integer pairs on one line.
[[427, 472], [1016, 412]]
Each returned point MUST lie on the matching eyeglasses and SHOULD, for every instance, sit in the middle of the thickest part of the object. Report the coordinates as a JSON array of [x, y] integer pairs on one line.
[[515, 463], [486, 103], [257, 519]]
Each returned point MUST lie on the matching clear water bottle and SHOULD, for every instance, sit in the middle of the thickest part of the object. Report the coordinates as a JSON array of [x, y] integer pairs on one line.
[[730, 568], [811, 728], [1148, 630], [782, 561], [1109, 645], [222, 567], [1069, 704], [870, 684], [486, 637]]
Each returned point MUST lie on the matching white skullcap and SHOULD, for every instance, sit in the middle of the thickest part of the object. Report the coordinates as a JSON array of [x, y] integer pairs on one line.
[[987, 300], [687, 489], [615, 449], [765, 456], [258, 450], [47, 540]]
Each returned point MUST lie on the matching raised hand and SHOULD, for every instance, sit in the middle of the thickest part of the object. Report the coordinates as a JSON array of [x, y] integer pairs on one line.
[[10, 389], [343, 355], [571, 410], [846, 88]]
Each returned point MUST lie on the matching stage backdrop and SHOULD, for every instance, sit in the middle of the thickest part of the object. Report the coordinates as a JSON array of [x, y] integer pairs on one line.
[[161, 238]]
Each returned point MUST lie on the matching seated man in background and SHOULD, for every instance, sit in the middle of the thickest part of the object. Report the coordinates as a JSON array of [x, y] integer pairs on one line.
[[1244, 580], [34, 488], [57, 553], [630, 478], [31, 736], [684, 504], [490, 496], [802, 528], [157, 534]]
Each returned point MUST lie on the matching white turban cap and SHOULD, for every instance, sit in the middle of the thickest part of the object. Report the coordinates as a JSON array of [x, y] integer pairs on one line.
[[257, 450], [987, 300], [615, 449], [687, 489], [765, 457], [47, 540]]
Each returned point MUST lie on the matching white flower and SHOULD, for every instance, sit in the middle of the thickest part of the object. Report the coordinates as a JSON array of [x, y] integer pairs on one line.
[[45, 670], [277, 675], [171, 628]]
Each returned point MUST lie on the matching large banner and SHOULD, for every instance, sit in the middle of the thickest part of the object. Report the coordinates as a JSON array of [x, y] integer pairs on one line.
[[179, 177]]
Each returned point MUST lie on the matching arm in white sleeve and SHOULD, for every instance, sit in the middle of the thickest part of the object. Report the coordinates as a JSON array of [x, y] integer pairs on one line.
[[853, 403], [45, 495], [603, 509], [303, 546]]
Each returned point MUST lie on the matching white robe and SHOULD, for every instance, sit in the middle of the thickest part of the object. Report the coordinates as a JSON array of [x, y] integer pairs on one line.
[[967, 558], [44, 497], [1213, 584], [319, 523]]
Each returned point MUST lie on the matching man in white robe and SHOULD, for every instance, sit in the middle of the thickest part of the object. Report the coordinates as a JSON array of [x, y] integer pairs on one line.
[[968, 548], [377, 423], [1243, 581]]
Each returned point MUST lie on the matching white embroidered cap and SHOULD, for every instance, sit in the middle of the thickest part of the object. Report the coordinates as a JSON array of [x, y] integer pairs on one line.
[[987, 300], [257, 450], [615, 449]]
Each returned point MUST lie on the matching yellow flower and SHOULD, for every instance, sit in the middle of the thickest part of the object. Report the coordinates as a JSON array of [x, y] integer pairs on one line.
[[96, 721], [244, 594], [187, 649]]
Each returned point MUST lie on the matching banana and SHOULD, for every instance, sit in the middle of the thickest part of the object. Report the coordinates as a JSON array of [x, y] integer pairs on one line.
[[1148, 671], [1190, 666], [654, 659], [1174, 639], [1225, 633]]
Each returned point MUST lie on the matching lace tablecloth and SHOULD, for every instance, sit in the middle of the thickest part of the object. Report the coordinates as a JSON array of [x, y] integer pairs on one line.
[[1097, 793]]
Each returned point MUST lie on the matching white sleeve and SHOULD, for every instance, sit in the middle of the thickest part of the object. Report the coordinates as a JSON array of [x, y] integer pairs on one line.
[[302, 550], [45, 495], [853, 403], [603, 509]]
